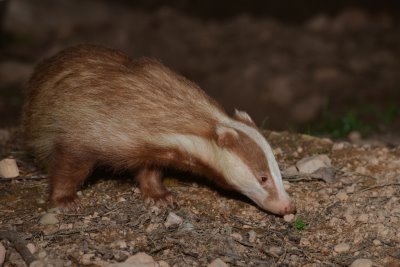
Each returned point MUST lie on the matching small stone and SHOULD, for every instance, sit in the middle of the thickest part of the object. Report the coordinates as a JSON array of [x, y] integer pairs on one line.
[[54, 210], [2, 254], [350, 189], [87, 259], [237, 236], [305, 242], [8, 168], [377, 242], [163, 264], [121, 199], [363, 218], [217, 263], [275, 250], [349, 218], [120, 255], [292, 170], [288, 218], [31, 247], [252, 236], [173, 220], [327, 174], [361, 169], [340, 146], [342, 247], [151, 227], [362, 263], [342, 196], [38, 263], [141, 258], [49, 219], [42, 254], [121, 244], [311, 164]]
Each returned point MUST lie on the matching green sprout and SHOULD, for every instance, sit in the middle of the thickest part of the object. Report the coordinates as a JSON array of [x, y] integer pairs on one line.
[[299, 224]]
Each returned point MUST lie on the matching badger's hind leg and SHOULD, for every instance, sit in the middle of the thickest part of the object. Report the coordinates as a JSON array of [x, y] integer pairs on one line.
[[67, 172], [152, 188]]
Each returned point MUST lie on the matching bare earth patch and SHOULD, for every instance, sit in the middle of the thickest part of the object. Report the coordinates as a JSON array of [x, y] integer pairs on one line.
[[355, 217]]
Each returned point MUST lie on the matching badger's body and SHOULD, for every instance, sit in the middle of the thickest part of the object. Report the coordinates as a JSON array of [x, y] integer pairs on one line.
[[90, 106]]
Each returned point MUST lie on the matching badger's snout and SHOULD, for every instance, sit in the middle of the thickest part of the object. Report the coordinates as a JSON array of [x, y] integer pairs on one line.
[[279, 206], [289, 208]]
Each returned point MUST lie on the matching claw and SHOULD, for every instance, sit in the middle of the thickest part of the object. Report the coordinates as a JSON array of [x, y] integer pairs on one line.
[[164, 201], [67, 203]]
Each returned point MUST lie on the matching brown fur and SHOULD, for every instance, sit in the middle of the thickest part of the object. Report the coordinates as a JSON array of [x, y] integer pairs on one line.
[[89, 105]]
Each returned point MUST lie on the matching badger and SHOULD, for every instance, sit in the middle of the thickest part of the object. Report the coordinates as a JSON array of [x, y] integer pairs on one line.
[[90, 106]]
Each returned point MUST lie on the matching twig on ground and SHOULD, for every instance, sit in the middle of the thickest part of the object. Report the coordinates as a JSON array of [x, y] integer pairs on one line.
[[19, 244], [377, 186]]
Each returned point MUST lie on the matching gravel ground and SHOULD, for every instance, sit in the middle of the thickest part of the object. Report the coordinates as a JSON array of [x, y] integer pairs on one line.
[[353, 217]]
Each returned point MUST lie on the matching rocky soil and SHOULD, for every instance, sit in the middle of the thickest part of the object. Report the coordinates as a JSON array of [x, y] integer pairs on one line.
[[348, 214]]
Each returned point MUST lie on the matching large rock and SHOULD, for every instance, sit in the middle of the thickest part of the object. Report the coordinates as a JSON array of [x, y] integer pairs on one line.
[[313, 163]]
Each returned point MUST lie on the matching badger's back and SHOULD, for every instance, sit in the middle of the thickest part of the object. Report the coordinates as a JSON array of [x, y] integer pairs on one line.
[[101, 100]]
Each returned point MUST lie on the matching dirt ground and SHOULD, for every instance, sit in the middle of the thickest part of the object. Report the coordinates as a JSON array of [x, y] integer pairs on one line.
[[357, 216]]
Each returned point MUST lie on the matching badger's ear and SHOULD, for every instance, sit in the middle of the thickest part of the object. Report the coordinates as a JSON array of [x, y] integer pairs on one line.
[[226, 135], [243, 117]]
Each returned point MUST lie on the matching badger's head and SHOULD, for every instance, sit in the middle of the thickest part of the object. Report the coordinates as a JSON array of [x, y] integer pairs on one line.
[[248, 164]]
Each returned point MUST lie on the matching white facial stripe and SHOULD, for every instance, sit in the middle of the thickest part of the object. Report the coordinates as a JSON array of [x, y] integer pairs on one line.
[[222, 160], [266, 148]]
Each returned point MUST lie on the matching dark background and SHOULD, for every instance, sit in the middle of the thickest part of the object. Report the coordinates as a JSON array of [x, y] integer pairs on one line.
[[319, 67]]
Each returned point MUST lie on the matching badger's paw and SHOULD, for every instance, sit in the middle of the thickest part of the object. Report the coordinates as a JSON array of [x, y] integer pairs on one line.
[[164, 200], [67, 203]]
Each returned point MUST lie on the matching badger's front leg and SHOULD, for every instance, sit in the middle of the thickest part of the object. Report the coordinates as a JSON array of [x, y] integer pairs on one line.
[[152, 188]]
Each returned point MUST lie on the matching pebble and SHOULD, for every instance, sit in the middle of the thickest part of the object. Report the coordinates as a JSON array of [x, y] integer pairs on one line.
[[339, 146], [2, 254], [140, 259], [217, 263], [163, 264], [8, 168], [292, 170], [361, 263], [237, 236], [342, 196], [173, 220], [121, 244], [252, 236], [151, 227], [377, 242], [42, 254], [31, 247], [350, 189], [121, 199], [275, 250], [49, 219], [342, 247], [87, 259], [313, 163], [363, 218], [288, 218], [38, 263]]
